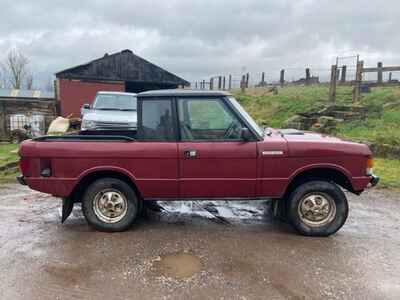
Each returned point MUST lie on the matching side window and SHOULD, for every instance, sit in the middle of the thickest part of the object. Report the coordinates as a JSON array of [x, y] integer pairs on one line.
[[157, 121], [207, 119]]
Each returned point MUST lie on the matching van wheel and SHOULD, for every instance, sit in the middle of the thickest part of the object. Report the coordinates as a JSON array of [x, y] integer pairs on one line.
[[110, 205], [317, 208]]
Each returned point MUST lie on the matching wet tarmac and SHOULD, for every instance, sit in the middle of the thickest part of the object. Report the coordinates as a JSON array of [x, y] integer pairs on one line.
[[197, 251]]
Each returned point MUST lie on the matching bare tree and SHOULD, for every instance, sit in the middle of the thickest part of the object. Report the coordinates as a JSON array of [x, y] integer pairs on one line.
[[15, 68], [49, 85]]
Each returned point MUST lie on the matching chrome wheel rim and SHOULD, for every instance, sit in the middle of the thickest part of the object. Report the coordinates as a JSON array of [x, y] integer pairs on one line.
[[317, 209], [110, 206]]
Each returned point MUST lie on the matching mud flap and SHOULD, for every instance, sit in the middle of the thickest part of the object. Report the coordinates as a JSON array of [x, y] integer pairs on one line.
[[67, 206]]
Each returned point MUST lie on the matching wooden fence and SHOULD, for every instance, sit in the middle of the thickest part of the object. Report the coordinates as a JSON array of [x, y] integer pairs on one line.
[[228, 82]]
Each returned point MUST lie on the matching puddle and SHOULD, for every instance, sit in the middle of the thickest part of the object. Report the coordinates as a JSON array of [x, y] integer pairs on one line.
[[179, 265], [223, 212]]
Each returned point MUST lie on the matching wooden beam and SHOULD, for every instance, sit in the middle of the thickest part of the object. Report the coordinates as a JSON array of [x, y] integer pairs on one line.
[[332, 87], [308, 76], [343, 78], [243, 83], [282, 78], [380, 73], [384, 69], [358, 81]]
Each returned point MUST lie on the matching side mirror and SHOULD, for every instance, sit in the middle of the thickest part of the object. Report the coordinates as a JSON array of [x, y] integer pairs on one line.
[[86, 106], [246, 134]]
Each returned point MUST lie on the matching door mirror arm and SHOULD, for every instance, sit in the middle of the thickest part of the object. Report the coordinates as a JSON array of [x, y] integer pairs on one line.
[[246, 135]]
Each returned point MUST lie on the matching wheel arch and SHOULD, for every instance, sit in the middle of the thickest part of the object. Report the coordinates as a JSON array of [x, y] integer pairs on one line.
[[91, 175], [331, 173]]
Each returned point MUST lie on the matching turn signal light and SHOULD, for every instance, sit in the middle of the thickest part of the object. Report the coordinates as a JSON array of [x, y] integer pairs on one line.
[[370, 165]]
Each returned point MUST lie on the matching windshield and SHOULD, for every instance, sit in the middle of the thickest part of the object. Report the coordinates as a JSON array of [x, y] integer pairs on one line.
[[115, 102], [248, 118]]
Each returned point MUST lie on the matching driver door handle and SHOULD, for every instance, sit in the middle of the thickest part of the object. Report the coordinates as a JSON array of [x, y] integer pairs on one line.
[[190, 153]]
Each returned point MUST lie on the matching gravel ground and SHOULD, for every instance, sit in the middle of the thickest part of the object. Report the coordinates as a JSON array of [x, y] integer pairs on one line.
[[207, 251]]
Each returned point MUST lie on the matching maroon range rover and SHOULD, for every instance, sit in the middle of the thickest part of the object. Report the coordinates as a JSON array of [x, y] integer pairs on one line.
[[194, 145]]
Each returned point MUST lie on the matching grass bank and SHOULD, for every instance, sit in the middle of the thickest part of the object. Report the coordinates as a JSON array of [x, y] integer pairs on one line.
[[8, 155], [382, 125]]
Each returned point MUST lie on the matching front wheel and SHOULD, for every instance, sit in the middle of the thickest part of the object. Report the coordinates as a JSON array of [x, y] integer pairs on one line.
[[317, 208], [110, 205]]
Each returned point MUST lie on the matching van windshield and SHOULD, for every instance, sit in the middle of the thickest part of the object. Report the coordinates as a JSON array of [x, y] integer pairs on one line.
[[115, 102]]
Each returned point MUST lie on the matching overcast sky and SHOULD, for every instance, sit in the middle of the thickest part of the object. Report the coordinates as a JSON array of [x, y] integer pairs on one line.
[[196, 39]]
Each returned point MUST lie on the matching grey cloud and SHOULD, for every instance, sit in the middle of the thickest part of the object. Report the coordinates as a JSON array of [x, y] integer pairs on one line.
[[196, 39]]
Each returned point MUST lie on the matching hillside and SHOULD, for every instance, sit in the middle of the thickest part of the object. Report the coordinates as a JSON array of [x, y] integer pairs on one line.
[[380, 127]]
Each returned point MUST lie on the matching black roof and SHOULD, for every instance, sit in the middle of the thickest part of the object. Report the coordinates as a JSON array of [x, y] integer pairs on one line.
[[182, 93], [122, 66]]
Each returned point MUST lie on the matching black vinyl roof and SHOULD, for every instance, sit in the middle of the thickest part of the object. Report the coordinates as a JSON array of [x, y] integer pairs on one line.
[[122, 66], [182, 93]]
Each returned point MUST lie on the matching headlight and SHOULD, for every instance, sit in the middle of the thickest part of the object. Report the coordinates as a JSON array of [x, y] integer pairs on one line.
[[87, 124]]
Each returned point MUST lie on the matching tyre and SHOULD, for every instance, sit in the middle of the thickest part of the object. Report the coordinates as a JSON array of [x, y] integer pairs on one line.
[[317, 208], [110, 205]]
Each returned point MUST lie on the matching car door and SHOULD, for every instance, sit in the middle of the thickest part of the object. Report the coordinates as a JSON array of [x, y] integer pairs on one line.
[[155, 163], [214, 161]]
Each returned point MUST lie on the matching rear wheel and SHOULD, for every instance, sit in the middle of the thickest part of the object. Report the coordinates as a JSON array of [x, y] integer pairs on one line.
[[110, 204], [317, 208]]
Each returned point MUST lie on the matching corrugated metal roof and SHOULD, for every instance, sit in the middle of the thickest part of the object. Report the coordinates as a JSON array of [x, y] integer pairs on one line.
[[35, 94], [122, 66]]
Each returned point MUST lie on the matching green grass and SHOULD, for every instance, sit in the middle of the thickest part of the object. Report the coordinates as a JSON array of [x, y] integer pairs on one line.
[[7, 157], [5, 153], [389, 172], [273, 110], [383, 128]]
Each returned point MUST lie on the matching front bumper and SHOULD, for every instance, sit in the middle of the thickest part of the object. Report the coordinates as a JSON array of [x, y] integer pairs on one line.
[[374, 180], [21, 180]]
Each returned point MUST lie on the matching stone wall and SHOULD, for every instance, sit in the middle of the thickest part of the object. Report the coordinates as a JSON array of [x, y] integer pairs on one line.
[[326, 119]]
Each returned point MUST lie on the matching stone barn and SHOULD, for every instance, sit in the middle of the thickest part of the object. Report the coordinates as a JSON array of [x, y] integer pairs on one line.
[[122, 71], [25, 107]]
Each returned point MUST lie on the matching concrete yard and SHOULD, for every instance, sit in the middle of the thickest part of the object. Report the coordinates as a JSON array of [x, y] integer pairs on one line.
[[197, 251]]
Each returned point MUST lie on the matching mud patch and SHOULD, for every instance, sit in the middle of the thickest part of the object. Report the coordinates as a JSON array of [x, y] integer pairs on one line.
[[179, 265], [238, 268], [67, 273]]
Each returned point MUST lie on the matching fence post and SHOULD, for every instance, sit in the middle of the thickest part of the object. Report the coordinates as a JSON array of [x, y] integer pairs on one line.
[[337, 74], [196, 85], [230, 82], [308, 76], [332, 87], [343, 78], [247, 80], [282, 78], [219, 82], [390, 77], [243, 83], [262, 78], [211, 83], [203, 84], [357, 86], [380, 73], [223, 83]]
